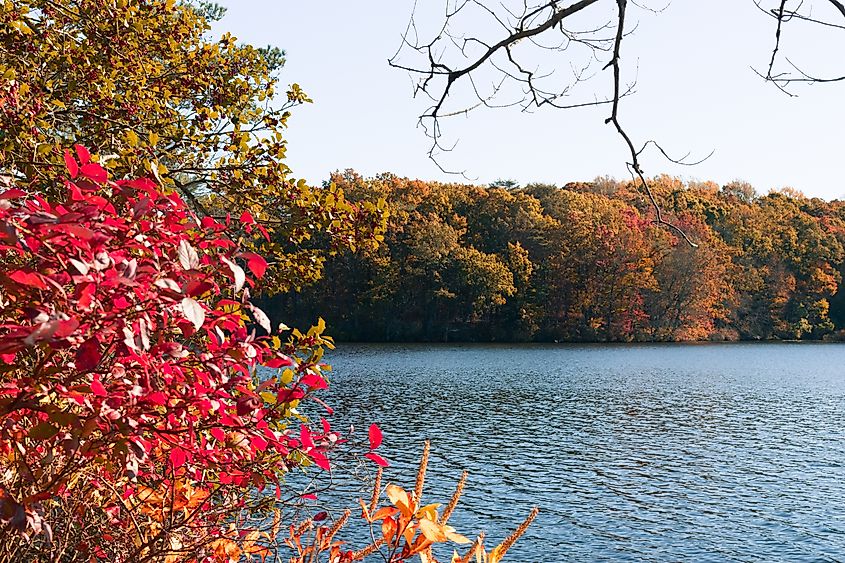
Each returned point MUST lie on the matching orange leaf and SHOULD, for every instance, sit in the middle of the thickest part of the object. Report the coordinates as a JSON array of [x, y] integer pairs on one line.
[[384, 512]]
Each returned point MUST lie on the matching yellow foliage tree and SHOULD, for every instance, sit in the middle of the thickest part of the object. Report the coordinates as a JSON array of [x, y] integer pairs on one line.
[[145, 85]]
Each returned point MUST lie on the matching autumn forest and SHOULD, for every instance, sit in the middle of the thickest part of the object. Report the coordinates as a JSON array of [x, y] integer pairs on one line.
[[583, 262], [171, 294]]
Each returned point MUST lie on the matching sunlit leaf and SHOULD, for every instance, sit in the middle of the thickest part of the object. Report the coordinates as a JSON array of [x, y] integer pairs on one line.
[[193, 311]]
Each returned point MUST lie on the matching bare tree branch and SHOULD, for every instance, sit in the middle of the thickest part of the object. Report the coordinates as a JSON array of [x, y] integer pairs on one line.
[[454, 62]]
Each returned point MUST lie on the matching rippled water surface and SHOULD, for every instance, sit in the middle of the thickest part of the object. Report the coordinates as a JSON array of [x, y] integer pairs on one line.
[[650, 452]]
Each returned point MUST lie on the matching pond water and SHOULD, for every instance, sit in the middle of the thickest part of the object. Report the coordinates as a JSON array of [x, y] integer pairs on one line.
[[712, 452]]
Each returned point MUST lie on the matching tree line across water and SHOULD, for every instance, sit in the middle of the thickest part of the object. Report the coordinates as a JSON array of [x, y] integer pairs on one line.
[[583, 262]]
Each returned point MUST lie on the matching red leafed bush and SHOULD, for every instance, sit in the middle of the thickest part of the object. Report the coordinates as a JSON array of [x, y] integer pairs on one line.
[[134, 423], [129, 375]]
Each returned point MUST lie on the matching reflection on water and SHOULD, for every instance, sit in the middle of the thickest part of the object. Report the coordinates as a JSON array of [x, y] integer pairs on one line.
[[648, 452]]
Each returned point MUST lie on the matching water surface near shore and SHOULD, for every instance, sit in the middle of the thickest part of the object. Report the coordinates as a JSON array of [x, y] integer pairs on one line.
[[708, 452]]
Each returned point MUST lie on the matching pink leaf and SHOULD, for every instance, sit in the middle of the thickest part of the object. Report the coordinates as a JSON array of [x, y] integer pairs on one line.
[[157, 398], [323, 404], [28, 278], [313, 381], [279, 362], [375, 436]]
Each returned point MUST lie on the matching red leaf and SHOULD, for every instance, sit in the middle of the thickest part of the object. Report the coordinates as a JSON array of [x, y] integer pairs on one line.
[[374, 457], [72, 166], [320, 460], [309, 496], [94, 172], [98, 389], [218, 434], [278, 362], [178, 457], [65, 328], [28, 278], [12, 194], [88, 355], [8, 358], [78, 231], [256, 264], [258, 443], [323, 404], [83, 154], [375, 436], [314, 381], [157, 398], [305, 437], [246, 218]]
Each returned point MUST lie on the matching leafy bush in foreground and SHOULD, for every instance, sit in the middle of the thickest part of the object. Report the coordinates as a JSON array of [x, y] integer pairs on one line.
[[134, 425]]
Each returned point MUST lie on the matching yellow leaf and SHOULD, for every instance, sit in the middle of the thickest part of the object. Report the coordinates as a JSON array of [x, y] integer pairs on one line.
[[428, 511], [132, 138], [400, 499], [432, 530], [287, 376], [22, 27], [454, 537]]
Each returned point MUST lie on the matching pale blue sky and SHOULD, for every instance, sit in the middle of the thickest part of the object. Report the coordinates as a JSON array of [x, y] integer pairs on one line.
[[695, 92]]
